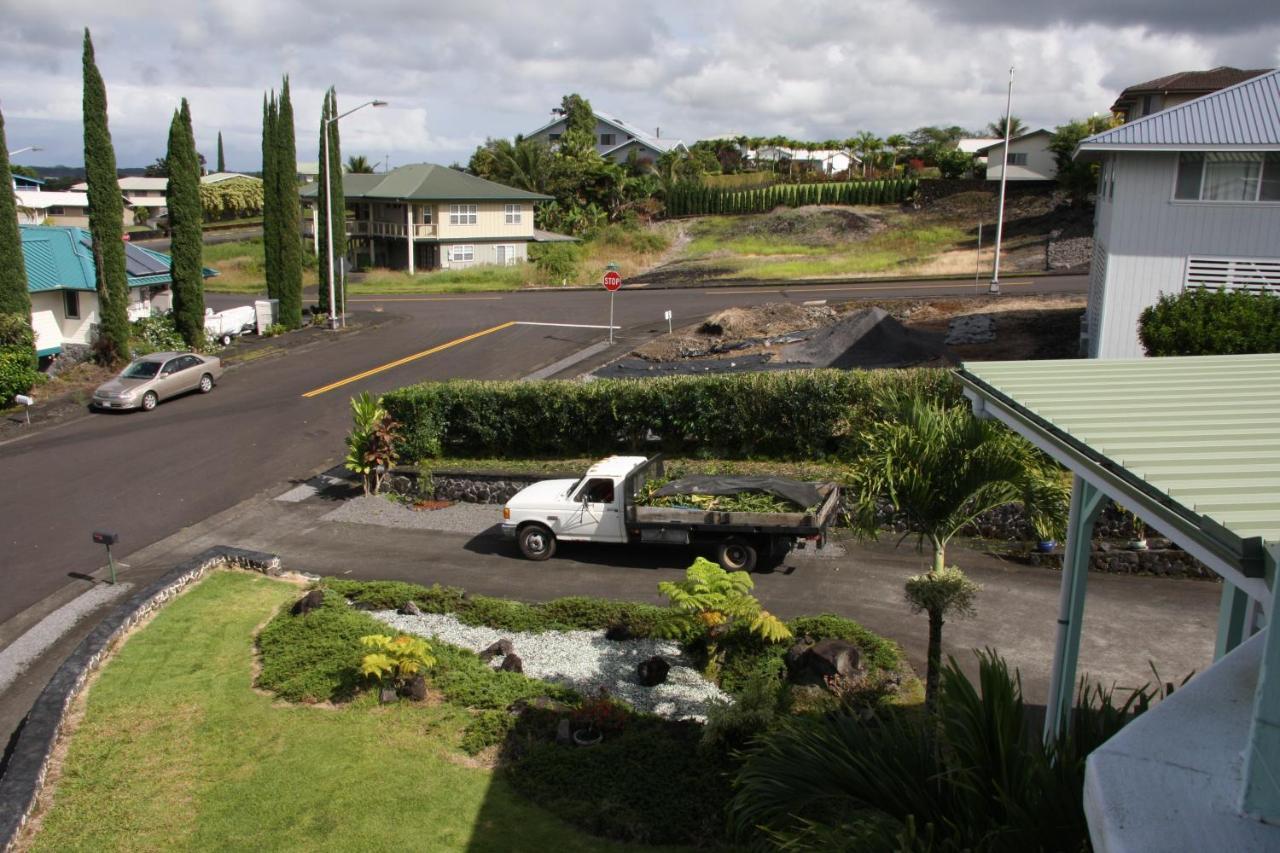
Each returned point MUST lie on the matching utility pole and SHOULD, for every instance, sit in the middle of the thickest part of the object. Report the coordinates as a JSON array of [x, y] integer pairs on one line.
[[1004, 179]]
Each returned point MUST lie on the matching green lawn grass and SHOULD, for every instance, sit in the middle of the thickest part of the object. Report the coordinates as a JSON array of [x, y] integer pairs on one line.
[[177, 751], [481, 278]]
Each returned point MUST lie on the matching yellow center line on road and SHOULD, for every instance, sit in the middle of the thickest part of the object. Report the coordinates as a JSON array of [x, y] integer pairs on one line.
[[408, 358], [425, 299]]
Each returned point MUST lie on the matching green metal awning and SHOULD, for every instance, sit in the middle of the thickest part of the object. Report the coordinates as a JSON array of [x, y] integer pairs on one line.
[[1194, 439]]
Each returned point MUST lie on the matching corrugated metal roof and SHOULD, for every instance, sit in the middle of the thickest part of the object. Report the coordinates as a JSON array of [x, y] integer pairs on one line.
[[1200, 431], [1246, 115], [60, 257], [425, 182]]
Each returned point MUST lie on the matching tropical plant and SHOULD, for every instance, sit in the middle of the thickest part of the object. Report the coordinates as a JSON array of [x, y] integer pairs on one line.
[[979, 778], [710, 601], [371, 444], [599, 713], [1016, 127], [106, 218], [942, 467], [940, 593], [394, 662], [1078, 179], [231, 198], [358, 164]]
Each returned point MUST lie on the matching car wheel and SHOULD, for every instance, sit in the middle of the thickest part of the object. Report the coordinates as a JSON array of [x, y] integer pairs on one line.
[[537, 542], [736, 554], [206, 384], [149, 401], [225, 340]]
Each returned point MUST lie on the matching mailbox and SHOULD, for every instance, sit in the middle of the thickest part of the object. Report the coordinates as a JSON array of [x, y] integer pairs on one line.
[[103, 538]]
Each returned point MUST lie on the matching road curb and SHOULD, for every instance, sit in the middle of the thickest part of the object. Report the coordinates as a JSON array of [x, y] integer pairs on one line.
[[28, 762]]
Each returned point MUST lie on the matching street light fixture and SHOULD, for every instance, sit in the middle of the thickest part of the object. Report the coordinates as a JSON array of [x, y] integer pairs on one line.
[[24, 150], [328, 202]]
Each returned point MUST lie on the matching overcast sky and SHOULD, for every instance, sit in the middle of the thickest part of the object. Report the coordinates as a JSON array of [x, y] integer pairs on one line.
[[458, 72]]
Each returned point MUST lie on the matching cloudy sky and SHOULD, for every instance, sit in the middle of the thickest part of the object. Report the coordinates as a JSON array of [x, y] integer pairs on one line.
[[458, 72]]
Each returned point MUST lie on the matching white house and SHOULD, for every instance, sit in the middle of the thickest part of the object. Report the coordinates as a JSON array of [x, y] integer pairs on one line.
[[828, 161], [1029, 157], [615, 139], [53, 208], [1188, 197]]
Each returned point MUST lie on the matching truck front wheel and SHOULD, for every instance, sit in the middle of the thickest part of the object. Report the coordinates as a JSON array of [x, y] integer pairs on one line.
[[736, 554], [537, 542]]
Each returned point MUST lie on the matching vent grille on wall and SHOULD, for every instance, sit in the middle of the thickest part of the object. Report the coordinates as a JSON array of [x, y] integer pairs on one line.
[[1253, 274]]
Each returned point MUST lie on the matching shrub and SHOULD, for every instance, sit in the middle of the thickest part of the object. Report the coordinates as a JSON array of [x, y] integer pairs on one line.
[[395, 660], [732, 725], [16, 331], [155, 334], [557, 262], [467, 681], [17, 372], [1211, 322], [486, 729], [371, 443], [315, 657], [780, 415]]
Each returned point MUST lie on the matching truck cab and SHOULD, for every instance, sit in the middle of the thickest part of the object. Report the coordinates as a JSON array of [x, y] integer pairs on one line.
[[588, 509]]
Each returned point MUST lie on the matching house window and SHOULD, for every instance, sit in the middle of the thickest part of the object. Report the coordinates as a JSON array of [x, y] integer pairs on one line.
[[71, 304], [1017, 158], [462, 253], [426, 214], [513, 214], [607, 139], [1146, 105], [1246, 176], [57, 210], [554, 137], [462, 214]]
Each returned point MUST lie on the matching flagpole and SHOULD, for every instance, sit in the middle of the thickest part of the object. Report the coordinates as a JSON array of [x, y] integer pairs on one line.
[[1004, 179]]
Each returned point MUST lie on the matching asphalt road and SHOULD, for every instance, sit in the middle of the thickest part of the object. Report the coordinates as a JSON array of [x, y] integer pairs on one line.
[[146, 476]]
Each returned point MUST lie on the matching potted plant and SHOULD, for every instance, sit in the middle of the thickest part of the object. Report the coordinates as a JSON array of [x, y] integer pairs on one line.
[[596, 716], [393, 663], [1139, 540]]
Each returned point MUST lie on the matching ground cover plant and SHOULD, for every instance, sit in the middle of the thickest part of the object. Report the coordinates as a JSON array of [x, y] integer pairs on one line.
[[175, 750]]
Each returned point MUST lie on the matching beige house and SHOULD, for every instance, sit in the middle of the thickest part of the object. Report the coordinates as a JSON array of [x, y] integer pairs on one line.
[[426, 217], [1152, 96], [53, 208], [1029, 157]]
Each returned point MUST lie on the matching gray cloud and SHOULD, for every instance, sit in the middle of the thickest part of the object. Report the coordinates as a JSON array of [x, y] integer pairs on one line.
[[1165, 16]]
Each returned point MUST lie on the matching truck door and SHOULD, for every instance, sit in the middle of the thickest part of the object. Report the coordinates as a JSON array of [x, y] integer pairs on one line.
[[597, 512]]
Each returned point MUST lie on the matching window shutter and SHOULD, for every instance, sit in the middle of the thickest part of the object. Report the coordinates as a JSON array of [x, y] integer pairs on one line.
[[1253, 274]]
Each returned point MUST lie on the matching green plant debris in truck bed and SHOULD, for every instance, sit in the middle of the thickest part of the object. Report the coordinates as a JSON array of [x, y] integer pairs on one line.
[[741, 502]]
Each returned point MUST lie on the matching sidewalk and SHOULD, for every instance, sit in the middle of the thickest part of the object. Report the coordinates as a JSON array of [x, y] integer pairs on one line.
[[1128, 620]]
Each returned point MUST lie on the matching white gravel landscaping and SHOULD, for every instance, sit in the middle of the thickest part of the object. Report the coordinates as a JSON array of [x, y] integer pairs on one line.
[[581, 660]]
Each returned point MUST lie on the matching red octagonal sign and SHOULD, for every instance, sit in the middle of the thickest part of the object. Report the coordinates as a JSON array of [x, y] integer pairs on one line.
[[612, 281]]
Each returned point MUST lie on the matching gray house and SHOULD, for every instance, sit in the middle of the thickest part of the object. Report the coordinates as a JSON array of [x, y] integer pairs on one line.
[[1188, 197], [616, 140]]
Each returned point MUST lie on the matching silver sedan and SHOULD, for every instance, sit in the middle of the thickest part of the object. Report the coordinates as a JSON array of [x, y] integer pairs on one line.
[[152, 378]]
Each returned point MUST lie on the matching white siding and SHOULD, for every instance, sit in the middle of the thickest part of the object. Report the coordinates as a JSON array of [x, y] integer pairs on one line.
[[484, 254], [1040, 164], [1149, 237]]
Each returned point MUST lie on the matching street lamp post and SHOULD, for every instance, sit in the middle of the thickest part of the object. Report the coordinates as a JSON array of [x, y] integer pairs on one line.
[[328, 203], [1004, 178], [25, 150]]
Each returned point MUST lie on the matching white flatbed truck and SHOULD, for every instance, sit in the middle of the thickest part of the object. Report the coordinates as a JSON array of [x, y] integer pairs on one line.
[[601, 507]]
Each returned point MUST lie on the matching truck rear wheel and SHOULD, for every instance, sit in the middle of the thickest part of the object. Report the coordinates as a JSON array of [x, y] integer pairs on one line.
[[536, 542], [736, 554]]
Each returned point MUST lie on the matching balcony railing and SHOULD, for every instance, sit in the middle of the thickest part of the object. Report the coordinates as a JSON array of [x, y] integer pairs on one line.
[[365, 228]]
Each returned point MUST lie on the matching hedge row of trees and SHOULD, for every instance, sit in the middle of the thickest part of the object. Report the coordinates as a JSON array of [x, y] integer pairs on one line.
[[688, 199], [281, 237]]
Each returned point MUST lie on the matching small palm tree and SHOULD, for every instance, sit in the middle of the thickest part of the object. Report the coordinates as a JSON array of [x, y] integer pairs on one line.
[[941, 593], [359, 164], [1016, 127], [897, 142]]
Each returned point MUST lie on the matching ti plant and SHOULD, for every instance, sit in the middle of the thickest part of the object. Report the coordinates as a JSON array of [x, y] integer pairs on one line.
[[394, 662], [709, 601], [371, 445]]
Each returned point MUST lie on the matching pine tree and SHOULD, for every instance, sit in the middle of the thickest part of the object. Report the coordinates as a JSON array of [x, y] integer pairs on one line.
[[14, 298], [185, 218], [270, 218], [222, 159], [288, 234], [106, 217]]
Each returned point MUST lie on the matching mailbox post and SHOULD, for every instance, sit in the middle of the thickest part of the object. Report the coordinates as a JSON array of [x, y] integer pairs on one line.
[[104, 538]]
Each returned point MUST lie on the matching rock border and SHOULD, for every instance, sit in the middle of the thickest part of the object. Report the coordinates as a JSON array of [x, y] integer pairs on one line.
[[24, 778]]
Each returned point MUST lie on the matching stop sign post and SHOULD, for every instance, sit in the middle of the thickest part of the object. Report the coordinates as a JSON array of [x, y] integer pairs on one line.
[[612, 281]]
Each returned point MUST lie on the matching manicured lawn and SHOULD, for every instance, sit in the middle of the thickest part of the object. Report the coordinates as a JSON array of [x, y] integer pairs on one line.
[[177, 751]]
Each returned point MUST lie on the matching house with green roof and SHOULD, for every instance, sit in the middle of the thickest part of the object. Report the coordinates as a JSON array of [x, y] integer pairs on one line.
[[426, 217], [61, 279]]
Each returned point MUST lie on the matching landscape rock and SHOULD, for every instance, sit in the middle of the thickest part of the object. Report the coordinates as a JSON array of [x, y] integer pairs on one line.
[[308, 602], [387, 695], [822, 660], [653, 671], [416, 689], [512, 663], [410, 608], [619, 633], [501, 648]]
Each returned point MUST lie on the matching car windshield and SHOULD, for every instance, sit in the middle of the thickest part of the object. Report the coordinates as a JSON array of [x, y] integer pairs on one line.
[[141, 370]]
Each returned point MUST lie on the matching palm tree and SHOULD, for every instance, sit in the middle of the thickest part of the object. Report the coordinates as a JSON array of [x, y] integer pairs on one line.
[[867, 144], [939, 593], [1016, 127], [897, 142], [358, 164], [941, 467]]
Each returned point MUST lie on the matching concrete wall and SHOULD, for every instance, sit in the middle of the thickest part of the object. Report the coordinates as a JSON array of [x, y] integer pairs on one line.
[[1148, 238], [1040, 164]]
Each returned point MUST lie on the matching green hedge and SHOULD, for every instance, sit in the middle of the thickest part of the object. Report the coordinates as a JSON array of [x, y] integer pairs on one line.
[[783, 415], [695, 199], [1211, 322]]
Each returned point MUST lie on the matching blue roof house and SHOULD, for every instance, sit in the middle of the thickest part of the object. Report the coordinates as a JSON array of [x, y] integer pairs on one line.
[[61, 280]]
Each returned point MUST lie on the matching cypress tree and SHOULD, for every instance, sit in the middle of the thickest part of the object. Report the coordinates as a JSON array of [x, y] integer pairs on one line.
[[270, 219], [106, 217], [222, 160], [337, 232], [187, 244], [14, 298], [288, 234]]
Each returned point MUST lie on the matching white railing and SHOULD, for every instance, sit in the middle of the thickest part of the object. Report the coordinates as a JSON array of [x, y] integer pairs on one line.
[[365, 228]]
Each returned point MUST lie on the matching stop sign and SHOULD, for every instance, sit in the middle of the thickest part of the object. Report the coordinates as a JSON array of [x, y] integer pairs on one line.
[[612, 281]]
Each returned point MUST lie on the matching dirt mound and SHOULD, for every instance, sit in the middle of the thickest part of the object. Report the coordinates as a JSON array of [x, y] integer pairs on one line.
[[773, 318], [815, 225], [867, 338]]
